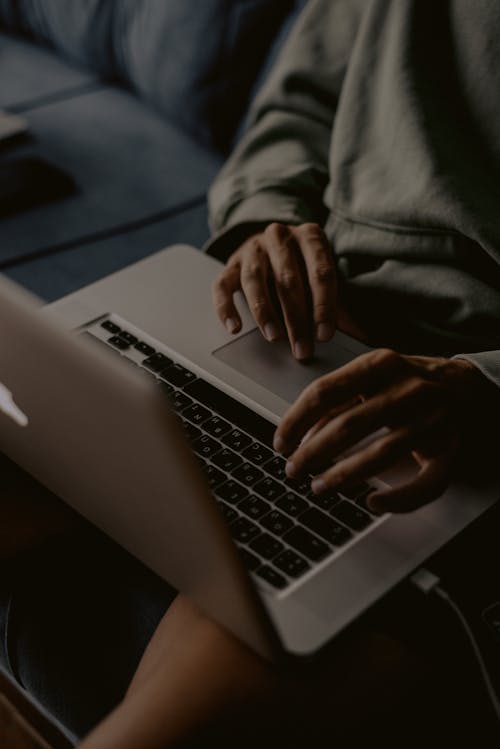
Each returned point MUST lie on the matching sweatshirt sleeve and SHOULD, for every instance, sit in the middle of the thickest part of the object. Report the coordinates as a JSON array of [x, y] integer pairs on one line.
[[279, 170], [488, 362]]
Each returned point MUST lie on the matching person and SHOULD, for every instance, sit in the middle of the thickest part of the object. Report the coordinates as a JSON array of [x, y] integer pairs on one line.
[[362, 197]]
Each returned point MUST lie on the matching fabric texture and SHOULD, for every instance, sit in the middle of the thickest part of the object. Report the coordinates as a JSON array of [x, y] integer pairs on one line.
[[80, 615], [32, 74], [380, 122], [195, 61], [130, 166]]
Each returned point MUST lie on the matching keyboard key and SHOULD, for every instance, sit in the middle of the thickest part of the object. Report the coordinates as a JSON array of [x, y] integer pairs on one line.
[[250, 561], [196, 414], [277, 523], [144, 348], [257, 454], [168, 389], [118, 343], [243, 530], [180, 400], [354, 489], [206, 446], [267, 546], [291, 564], [214, 476], [192, 432], [217, 426], [227, 460], [269, 489], [177, 375], [232, 492], [156, 362], [325, 527], [352, 516], [299, 486], [248, 474], [307, 544], [324, 501], [236, 440], [232, 410], [272, 577], [111, 327], [292, 504], [276, 467], [362, 500], [228, 513], [131, 339], [254, 507]]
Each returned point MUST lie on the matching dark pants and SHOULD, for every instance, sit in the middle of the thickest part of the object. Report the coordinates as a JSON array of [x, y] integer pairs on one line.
[[75, 617]]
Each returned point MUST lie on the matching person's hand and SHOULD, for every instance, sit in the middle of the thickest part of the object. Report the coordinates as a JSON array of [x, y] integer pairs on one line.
[[286, 272], [426, 406]]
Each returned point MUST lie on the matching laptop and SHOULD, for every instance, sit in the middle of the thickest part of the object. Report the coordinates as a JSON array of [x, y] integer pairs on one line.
[[131, 402]]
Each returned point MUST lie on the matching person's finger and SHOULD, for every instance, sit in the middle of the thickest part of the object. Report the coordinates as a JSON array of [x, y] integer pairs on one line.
[[290, 288], [322, 277], [369, 371], [376, 457], [399, 404], [255, 273], [329, 417], [223, 290], [431, 481]]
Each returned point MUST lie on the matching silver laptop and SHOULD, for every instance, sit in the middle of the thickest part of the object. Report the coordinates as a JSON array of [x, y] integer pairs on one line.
[[130, 401]]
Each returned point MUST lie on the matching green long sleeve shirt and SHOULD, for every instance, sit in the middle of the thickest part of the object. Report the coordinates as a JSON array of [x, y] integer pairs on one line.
[[381, 121]]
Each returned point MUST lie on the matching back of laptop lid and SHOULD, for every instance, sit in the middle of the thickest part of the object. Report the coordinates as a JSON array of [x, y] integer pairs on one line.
[[102, 438]]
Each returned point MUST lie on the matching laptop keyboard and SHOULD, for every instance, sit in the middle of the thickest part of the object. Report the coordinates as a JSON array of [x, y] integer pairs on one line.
[[281, 528]]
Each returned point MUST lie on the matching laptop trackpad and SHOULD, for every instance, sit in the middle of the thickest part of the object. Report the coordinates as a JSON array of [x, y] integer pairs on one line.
[[273, 367]]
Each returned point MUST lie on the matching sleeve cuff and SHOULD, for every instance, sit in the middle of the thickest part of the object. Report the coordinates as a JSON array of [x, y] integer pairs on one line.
[[223, 244], [252, 215], [488, 362]]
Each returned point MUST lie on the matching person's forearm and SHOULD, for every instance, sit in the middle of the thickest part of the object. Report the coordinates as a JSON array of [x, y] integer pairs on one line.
[[190, 673]]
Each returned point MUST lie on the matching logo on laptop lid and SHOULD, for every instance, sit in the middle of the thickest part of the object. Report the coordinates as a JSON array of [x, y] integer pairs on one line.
[[10, 408]]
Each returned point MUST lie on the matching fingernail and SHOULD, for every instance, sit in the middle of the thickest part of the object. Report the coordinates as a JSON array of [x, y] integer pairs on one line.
[[376, 508], [232, 324], [271, 331], [324, 332], [302, 349], [290, 469], [279, 444], [318, 486]]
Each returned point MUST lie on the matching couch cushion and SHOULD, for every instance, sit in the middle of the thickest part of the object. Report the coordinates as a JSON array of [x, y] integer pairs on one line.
[[129, 165], [200, 59], [30, 75], [80, 29], [57, 274], [195, 60]]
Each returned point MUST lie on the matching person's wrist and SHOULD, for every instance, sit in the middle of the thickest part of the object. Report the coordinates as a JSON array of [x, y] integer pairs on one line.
[[461, 375], [474, 381]]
